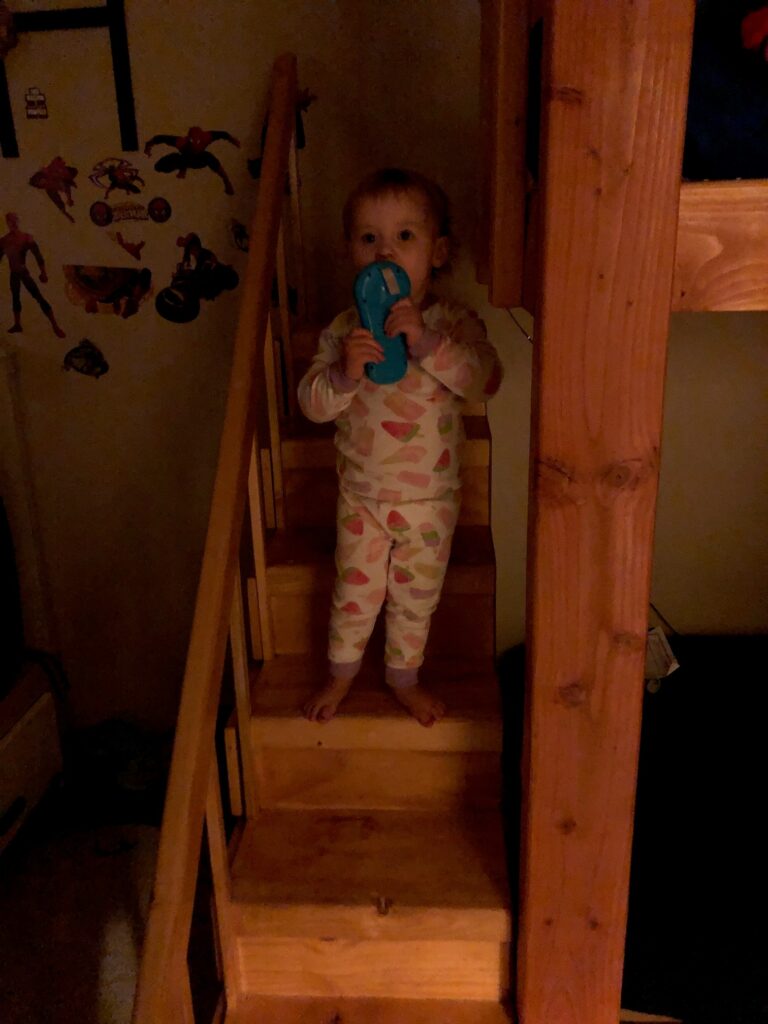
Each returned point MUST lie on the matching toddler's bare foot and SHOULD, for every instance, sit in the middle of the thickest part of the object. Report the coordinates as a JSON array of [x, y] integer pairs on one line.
[[423, 705], [321, 706]]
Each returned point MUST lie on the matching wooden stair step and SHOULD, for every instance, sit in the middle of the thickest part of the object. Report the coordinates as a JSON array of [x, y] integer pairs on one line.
[[307, 445], [373, 904], [370, 718], [273, 1010], [300, 574], [372, 753], [300, 561]]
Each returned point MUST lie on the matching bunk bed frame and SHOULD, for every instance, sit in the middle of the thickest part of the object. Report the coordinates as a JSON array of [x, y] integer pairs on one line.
[[604, 249]]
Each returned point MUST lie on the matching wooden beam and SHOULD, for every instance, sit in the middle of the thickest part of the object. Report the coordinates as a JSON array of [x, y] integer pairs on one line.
[[615, 90], [722, 246], [505, 86]]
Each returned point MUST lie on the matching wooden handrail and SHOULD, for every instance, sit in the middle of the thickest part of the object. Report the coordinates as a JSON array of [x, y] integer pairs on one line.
[[162, 992]]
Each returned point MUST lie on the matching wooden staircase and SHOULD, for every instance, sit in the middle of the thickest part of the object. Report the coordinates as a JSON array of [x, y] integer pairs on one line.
[[374, 867], [358, 866]]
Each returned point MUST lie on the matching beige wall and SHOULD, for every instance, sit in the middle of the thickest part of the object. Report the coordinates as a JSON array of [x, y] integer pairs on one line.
[[122, 467]]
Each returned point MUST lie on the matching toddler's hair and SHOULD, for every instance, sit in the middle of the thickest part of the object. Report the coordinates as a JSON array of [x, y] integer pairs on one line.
[[395, 181]]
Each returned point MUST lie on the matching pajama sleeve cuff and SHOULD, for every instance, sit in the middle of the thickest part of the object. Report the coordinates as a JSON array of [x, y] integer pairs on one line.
[[427, 344], [340, 381]]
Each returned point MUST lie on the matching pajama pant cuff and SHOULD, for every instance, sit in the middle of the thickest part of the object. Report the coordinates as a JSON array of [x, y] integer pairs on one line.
[[401, 678], [345, 669]]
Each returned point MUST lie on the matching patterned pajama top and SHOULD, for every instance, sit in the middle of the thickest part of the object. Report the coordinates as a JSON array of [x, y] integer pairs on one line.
[[399, 442]]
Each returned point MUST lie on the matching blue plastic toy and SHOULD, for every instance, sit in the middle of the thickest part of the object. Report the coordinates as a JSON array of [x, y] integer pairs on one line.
[[377, 288]]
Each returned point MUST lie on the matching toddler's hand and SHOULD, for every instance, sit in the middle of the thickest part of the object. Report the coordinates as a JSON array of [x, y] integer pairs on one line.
[[358, 348], [405, 318]]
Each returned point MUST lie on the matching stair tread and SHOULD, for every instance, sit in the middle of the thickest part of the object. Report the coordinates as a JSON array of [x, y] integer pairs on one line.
[[325, 1010], [312, 545], [468, 686], [415, 861]]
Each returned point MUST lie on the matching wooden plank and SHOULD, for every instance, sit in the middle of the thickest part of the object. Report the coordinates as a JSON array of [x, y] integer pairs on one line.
[[232, 756], [273, 410], [318, 1010], [428, 860], [297, 233], [379, 779], [267, 489], [463, 621], [286, 362], [162, 994], [614, 116], [374, 920], [258, 525], [722, 246], [508, 97], [242, 686], [254, 623], [370, 718], [435, 969], [310, 497], [219, 858]]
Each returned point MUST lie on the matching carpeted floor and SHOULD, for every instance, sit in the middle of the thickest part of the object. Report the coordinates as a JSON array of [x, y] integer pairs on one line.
[[73, 900]]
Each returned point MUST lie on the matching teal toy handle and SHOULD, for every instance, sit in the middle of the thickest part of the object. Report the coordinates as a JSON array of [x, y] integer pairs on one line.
[[377, 288]]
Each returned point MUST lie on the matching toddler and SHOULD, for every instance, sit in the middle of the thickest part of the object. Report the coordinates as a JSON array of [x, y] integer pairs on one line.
[[399, 486]]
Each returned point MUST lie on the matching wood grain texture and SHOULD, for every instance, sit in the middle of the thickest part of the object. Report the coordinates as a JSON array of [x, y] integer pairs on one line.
[[722, 246], [614, 115], [391, 780], [463, 621], [366, 1011], [456, 969], [505, 74]]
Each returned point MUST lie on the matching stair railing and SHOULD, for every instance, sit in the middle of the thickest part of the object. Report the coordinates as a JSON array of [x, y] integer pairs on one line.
[[163, 994]]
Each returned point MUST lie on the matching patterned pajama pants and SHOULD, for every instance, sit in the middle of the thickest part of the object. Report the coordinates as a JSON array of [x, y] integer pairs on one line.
[[395, 551]]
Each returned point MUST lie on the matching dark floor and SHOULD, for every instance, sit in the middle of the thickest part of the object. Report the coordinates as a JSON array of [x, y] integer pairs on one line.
[[75, 883], [696, 937]]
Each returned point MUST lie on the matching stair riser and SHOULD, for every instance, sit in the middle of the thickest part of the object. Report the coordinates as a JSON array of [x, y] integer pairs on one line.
[[427, 969], [378, 779], [461, 624], [310, 496], [313, 453]]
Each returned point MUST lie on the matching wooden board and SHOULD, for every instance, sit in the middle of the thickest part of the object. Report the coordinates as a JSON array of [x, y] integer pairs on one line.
[[722, 246], [301, 561], [416, 860], [504, 88], [356, 779], [463, 621], [614, 117], [435, 969], [318, 1010], [310, 496]]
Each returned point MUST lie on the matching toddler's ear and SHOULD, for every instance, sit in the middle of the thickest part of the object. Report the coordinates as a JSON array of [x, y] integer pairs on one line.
[[441, 252]]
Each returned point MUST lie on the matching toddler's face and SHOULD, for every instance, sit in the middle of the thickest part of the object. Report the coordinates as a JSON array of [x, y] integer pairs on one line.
[[398, 228]]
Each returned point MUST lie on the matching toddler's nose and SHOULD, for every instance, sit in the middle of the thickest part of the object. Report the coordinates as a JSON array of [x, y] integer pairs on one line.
[[386, 252]]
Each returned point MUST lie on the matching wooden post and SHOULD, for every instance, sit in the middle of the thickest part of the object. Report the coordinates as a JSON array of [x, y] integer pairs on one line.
[[504, 87], [615, 89]]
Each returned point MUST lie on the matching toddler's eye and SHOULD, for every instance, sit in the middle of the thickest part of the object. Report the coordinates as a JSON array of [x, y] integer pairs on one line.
[[369, 238], [405, 235]]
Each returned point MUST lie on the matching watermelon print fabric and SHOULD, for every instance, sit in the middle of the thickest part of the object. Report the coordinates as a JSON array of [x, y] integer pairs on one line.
[[399, 442], [397, 459], [393, 552]]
